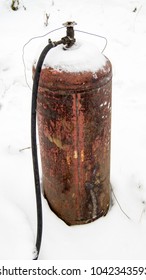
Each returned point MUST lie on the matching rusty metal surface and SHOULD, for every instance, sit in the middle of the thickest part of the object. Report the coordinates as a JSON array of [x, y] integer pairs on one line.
[[74, 120]]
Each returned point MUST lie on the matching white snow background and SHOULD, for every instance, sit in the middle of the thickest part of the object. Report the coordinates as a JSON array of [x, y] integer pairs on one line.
[[123, 23]]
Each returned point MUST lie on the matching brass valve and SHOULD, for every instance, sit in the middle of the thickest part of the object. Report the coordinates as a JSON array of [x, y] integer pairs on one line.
[[69, 39]]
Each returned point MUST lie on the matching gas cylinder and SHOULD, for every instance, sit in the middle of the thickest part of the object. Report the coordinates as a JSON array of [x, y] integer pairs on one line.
[[74, 126]]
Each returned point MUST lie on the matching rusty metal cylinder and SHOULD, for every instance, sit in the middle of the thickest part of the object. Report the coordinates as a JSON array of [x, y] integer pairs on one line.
[[74, 125]]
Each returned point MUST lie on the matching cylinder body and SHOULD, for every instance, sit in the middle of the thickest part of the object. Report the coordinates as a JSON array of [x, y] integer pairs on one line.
[[74, 124]]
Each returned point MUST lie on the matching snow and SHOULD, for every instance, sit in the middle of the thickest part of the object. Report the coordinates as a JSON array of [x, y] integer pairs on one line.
[[115, 236], [83, 56]]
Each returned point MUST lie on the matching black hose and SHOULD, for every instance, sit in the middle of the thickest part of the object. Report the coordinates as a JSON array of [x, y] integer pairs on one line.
[[34, 146]]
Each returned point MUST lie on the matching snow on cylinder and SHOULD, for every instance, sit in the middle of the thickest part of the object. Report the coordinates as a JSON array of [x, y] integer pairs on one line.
[[82, 56]]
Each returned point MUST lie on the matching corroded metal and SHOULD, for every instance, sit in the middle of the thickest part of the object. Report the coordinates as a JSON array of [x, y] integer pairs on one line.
[[74, 121]]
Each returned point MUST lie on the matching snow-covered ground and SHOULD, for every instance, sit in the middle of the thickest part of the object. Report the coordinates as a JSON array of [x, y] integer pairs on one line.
[[123, 23]]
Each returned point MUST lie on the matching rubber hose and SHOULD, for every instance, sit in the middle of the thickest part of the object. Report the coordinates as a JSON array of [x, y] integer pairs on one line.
[[34, 147]]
